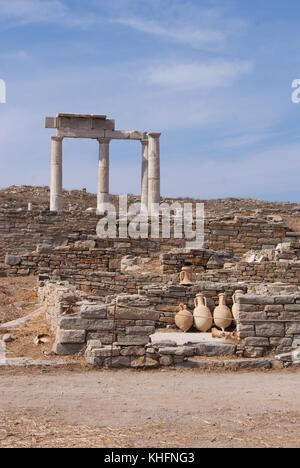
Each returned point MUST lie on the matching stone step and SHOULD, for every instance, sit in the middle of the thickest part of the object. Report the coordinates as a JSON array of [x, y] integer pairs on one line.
[[228, 364]]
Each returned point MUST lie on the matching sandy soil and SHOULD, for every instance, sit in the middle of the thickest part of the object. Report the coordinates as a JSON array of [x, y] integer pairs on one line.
[[18, 297], [149, 409]]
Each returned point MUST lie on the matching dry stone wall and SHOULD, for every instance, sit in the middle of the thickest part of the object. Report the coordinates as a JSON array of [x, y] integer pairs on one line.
[[268, 323]]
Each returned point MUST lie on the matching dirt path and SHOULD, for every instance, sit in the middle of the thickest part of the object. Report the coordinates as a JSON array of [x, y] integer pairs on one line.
[[164, 408]]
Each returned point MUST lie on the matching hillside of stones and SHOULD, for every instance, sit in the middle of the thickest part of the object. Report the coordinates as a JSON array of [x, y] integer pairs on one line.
[[16, 197], [245, 240]]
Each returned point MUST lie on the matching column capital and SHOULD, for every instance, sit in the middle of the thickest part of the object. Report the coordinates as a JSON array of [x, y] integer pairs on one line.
[[154, 134], [57, 138], [104, 140]]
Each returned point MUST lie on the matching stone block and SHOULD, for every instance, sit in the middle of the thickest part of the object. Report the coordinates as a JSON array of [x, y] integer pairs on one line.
[[245, 331], [293, 308], [257, 341], [283, 342], [132, 340], [138, 362], [140, 330], [284, 299], [76, 323], [215, 349], [166, 361], [136, 351], [12, 260], [270, 329], [293, 329], [67, 349], [253, 352], [104, 338], [137, 314], [105, 352], [252, 316], [93, 311], [118, 362], [71, 336], [257, 300], [274, 308]]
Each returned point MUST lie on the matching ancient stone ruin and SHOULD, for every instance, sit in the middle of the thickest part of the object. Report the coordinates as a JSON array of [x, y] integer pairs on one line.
[[98, 127], [116, 300]]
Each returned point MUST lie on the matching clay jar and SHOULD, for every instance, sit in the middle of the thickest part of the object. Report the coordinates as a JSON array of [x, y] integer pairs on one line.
[[202, 315], [222, 313], [186, 276], [184, 319], [235, 305]]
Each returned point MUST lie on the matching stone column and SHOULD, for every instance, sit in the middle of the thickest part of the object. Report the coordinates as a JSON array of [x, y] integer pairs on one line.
[[153, 169], [56, 184], [144, 183], [103, 173]]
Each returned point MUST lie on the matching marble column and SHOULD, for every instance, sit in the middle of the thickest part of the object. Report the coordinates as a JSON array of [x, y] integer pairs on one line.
[[56, 185], [153, 169], [144, 181], [103, 173]]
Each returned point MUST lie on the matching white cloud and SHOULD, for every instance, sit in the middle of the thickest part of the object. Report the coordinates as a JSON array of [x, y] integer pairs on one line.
[[205, 76], [16, 12], [186, 34]]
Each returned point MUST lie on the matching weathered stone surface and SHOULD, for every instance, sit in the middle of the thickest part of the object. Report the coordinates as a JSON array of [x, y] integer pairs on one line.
[[253, 352], [105, 352], [283, 342], [284, 299], [274, 308], [245, 331], [132, 340], [138, 362], [293, 329], [75, 323], [8, 338], [166, 361], [133, 351], [150, 362], [215, 350], [67, 349], [71, 336], [166, 344], [260, 300], [257, 341], [270, 329], [136, 314], [140, 330], [12, 260], [118, 362], [90, 311]]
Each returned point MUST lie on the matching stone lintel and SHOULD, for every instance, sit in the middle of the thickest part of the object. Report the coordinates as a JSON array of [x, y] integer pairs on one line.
[[102, 134]]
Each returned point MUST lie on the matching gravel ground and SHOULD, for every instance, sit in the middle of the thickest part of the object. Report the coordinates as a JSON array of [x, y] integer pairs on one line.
[[81, 408]]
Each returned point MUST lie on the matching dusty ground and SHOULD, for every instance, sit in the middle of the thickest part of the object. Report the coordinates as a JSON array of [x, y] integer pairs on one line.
[[18, 297], [149, 409]]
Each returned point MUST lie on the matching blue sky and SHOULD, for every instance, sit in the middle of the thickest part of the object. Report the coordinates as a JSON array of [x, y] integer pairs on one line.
[[213, 76]]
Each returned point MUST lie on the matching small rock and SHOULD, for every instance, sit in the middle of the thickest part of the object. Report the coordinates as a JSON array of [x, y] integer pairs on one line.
[[7, 338]]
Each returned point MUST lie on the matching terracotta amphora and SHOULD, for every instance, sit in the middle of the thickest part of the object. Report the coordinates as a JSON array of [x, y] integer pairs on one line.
[[184, 319], [235, 305], [222, 313], [186, 276], [202, 315]]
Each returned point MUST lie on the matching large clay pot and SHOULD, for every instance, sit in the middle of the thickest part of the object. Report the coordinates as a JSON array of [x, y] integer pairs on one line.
[[184, 319], [186, 276], [222, 314], [235, 305], [202, 315]]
